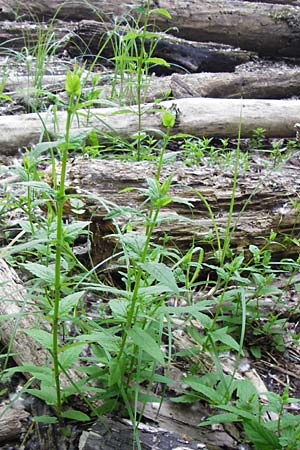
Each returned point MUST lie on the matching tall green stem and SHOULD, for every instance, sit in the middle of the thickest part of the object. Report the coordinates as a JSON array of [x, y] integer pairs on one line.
[[60, 200]]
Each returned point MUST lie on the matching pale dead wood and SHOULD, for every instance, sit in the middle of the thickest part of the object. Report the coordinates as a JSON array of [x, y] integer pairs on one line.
[[22, 314], [259, 84], [265, 200], [195, 116], [11, 422]]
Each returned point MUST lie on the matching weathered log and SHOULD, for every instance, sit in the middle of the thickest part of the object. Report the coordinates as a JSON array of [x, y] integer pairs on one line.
[[18, 35], [118, 435], [89, 36], [11, 423], [22, 314], [195, 116], [259, 84], [183, 56], [270, 29], [268, 84], [265, 201]]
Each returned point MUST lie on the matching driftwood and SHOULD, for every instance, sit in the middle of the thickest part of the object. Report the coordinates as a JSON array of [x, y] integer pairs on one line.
[[264, 202], [11, 422], [184, 56], [270, 29], [198, 117]]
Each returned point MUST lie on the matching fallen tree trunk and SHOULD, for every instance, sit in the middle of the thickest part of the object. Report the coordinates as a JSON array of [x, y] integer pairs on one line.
[[269, 29], [11, 423], [22, 314], [198, 117], [89, 37], [260, 84], [265, 201]]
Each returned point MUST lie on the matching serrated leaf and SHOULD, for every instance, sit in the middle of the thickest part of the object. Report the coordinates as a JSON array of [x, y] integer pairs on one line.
[[145, 342], [106, 340], [69, 355], [67, 303], [42, 337], [163, 274], [260, 436], [45, 273], [75, 415]]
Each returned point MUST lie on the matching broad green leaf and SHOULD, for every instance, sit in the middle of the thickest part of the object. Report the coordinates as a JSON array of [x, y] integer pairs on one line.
[[106, 340], [220, 418], [45, 419], [48, 395], [163, 274], [76, 415], [42, 373], [260, 436], [168, 119], [73, 86], [69, 355], [42, 337], [72, 230], [185, 398], [67, 303], [222, 336], [204, 390], [45, 273], [145, 342], [161, 11], [119, 307]]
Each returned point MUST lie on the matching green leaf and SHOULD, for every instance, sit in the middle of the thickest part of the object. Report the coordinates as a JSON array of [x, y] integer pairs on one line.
[[260, 436], [163, 274], [145, 342], [42, 337], [161, 11], [69, 355], [48, 395], [204, 390], [168, 119], [222, 336], [76, 415], [67, 303], [106, 340], [45, 273], [185, 398], [220, 418], [73, 86], [160, 62], [45, 419]]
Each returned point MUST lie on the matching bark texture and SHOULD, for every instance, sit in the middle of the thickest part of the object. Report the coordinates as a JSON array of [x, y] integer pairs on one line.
[[89, 37], [265, 201], [259, 84], [268, 28], [195, 116], [11, 423]]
